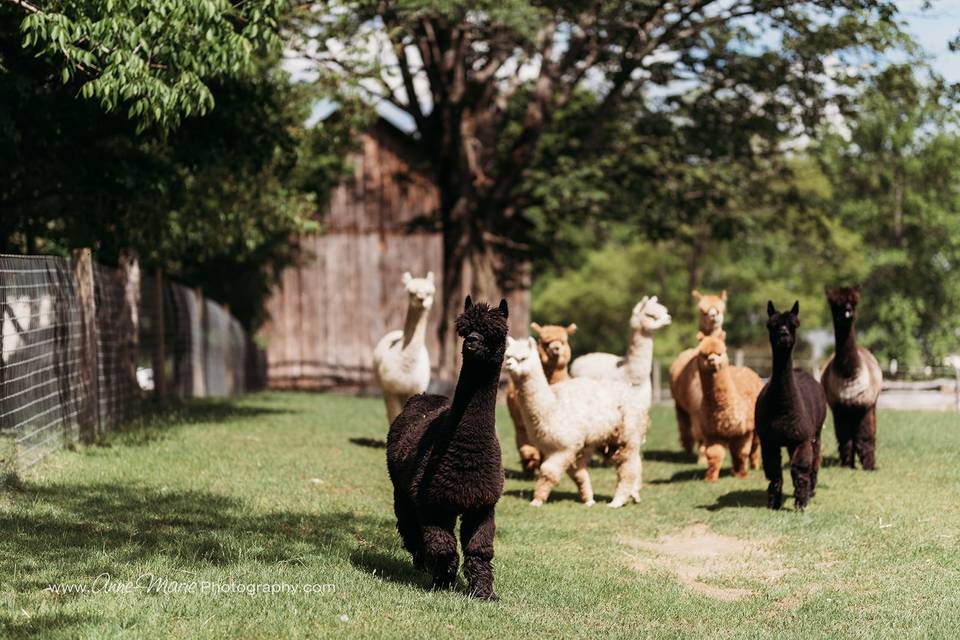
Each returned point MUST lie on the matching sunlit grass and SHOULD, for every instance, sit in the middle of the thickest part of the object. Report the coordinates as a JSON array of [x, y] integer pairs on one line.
[[292, 488]]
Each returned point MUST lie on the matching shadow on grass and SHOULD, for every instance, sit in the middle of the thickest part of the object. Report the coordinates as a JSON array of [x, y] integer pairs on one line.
[[749, 498], [36, 624], [70, 533], [677, 457], [516, 474], [373, 443], [387, 567], [830, 461], [157, 420], [688, 475], [555, 496]]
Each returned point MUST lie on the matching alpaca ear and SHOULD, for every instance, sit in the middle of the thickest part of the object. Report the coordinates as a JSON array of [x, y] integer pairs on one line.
[[770, 308], [696, 295], [467, 303], [643, 301], [430, 277], [536, 327], [723, 295], [406, 278], [571, 329], [503, 308], [795, 309], [533, 344], [510, 341]]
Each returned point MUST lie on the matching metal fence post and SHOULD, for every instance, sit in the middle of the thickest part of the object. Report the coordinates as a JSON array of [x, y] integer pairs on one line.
[[89, 403]]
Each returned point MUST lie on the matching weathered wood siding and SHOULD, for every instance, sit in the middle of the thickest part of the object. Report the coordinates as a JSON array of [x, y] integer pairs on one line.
[[327, 314]]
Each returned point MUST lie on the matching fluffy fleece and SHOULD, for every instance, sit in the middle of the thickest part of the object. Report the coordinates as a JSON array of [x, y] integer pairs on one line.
[[685, 377], [648, 317], [401, 364], [554, 348], [852, 380], [444, 460], [568, 420], [790, 413], [727, 411]]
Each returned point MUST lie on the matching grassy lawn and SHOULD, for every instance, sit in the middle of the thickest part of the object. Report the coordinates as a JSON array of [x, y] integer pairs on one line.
[[291, 488]]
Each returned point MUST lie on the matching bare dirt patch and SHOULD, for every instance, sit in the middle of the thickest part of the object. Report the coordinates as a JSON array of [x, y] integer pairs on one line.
[[697, 554]]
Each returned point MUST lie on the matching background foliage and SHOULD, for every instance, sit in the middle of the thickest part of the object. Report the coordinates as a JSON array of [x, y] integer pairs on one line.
[[765, 147]]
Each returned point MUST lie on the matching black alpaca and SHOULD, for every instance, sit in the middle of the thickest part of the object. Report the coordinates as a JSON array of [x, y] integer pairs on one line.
[[790, 412], [444, 460], [852, 380]]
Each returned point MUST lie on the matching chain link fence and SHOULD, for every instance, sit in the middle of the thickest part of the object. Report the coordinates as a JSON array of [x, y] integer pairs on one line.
[[79, 351]]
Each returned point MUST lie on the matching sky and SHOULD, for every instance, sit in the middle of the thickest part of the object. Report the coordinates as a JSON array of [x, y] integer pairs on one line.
[[933, 29]]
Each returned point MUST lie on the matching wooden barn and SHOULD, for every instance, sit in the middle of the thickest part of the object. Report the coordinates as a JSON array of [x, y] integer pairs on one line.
[[327, 314]]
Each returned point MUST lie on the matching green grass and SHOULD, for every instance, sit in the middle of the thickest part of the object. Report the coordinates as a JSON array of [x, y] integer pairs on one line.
[[286, 488]]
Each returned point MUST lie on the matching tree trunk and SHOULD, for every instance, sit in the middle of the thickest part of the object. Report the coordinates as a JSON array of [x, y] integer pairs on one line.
[[470, 267]]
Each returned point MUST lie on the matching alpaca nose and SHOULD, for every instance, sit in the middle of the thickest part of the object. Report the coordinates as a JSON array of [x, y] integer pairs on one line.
[[472, 341], [555, 348], [712, 313]]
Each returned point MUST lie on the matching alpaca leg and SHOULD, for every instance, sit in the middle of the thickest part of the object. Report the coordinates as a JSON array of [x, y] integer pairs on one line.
[[755, 452], [699, 441], [408, 525], [551, 469], [394, 406], [817, 459], [440, 547], [476, 537], [801, 469], [844, 426], [529, 455], [773, 470], [740, 450], [579, 474], [684, 427], [866, 439], [628, 474], [715, 452]]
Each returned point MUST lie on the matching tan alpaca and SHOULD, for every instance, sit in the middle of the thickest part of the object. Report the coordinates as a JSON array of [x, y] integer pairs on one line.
[[554, 349], [684, 378], [570, 419], [401, 364], [726, 412]]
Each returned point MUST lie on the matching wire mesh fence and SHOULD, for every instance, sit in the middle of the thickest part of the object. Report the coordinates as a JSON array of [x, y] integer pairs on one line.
[[40, 385], [78, 349]]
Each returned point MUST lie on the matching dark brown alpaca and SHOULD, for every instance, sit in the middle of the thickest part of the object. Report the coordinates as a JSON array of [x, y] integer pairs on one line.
[[444, 460], [852, 380], [790, 412]]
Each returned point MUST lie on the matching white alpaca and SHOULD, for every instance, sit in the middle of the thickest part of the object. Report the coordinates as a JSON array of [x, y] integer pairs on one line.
[[647, 318], [401, 364], [570, 419]]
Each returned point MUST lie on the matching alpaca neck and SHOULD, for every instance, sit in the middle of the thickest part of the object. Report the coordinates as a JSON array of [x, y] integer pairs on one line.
[[718, 388], [475, 395], [782, 378], [537, 399], [414, 333], [847, 358], [556, 373], [640, 355]]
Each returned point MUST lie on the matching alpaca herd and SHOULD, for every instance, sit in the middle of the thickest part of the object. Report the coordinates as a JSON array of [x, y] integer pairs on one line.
[[444, 457]]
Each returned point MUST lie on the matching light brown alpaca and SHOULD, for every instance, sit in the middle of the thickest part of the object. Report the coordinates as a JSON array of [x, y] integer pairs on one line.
[[554, 348], [726, 413], [684, 378]]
